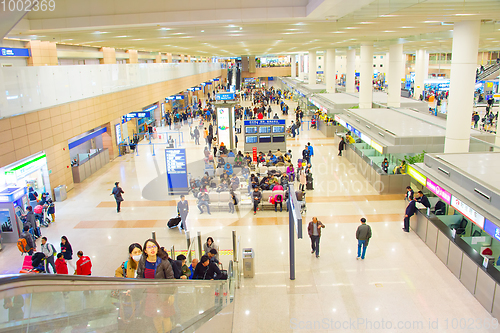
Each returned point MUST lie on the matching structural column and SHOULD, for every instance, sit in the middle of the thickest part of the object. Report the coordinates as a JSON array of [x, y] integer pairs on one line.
[[301, 66], [108, 56], [312, 67], [244, 63], [421, 72], [396, 72], [350, 72], [251, 64], [133, 57], [330, 71], [462, 82], [293, 68], [366, 77]]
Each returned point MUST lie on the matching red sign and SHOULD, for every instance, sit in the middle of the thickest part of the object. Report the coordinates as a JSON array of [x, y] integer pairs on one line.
[[254, 150]]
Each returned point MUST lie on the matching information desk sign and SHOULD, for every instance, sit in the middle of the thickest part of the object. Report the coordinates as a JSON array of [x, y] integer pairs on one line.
[[177, 176], [468, 212], [439, 191], [265, 122], [225, 97]]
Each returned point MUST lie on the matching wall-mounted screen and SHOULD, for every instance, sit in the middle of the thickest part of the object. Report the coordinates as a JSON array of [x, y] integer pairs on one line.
[[251, 129], [264, 139], [264, 129], [251, 139], [279, 138], [278, 129]]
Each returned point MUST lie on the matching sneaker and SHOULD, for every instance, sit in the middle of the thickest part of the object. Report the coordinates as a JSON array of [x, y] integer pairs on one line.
[[357, 258], [317, 256], [312, 251]]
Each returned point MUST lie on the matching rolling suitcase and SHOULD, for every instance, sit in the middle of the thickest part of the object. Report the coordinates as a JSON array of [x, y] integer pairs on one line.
[[173, 222]]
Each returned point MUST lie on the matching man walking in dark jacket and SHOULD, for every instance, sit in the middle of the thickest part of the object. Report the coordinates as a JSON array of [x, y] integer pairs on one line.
[[314, 232], [183, 210], [411, 209], [363, 235]]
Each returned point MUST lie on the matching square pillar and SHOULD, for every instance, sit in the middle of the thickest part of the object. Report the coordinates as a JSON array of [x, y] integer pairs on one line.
[[158, 58], [108, 56], [42, 53], [133, 57]]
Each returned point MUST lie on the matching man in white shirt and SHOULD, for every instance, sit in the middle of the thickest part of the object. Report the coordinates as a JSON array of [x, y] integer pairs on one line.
[[49, 251]]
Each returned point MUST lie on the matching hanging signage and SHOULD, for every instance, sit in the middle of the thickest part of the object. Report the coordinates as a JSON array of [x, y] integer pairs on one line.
[[492, 229], [194, 89], [216, 79], [265, 122], [439, 191], [416, 175], [14, 52], [254, 153], [19, 171], [138, 115], [176, 169], [118, 133], [467, 211], [225, 97], [150, 108], [12, 194], [208, 83]]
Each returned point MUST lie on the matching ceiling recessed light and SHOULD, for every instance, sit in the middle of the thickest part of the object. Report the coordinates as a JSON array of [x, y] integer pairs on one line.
[[464, 14], [99, 32], [241, 28], [137, 39], [388, 31], [203, 31], [300, 23], [407, 27], [121, 36], [351, 28], [164, 29], [366, 22], [179, 33], [388, 15]]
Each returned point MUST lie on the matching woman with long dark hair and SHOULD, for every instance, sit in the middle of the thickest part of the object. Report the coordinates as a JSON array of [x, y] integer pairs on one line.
[[67, 252]]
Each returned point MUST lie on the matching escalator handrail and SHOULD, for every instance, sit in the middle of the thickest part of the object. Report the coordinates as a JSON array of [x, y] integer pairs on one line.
[[25, 279]]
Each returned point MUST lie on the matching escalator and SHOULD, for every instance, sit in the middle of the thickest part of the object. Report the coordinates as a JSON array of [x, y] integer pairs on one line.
[[70, 303], [489, 73]]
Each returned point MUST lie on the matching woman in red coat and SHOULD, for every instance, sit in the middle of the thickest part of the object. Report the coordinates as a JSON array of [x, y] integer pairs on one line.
[[61, 266]]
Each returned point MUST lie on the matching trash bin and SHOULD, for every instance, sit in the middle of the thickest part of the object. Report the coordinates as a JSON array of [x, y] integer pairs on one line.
[[60, 193], [248, 264]]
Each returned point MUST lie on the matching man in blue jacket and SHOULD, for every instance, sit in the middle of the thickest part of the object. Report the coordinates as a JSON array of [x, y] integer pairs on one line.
[[411, 209]]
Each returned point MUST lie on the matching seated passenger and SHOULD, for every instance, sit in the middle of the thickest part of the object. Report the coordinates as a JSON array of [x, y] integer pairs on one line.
[[230, 154], [203, 200], [223, 186], [248, 158], [245, 172], [228, 169], [235, 182], [273, 160], [238, 161], [400, 169], [220, 162], [265, 186]]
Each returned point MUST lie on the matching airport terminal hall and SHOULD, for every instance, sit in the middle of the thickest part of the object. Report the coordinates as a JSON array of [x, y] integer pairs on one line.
[[253, 166]]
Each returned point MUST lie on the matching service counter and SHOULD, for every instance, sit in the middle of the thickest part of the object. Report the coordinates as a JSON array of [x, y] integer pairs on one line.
[[462, 259], [384, 183], [90, 165], [329, 129]]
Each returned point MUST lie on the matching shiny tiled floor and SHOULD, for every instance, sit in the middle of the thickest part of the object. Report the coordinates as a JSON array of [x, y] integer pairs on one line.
[[400, 281]]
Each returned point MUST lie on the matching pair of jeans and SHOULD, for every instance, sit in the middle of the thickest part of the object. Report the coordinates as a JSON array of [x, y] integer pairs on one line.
[[315, 244], [118, 203], [203, 203], [362, 243], [255, 205]]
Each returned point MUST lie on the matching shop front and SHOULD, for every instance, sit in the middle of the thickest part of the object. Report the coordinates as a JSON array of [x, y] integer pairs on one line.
[[13, 202], [29, 172], [87, 153]]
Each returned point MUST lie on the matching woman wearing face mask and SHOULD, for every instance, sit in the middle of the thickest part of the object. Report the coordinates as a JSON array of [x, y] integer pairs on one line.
[[128, 269]]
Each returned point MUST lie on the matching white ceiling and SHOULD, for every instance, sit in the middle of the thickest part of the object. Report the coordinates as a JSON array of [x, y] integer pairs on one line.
[[258, 27]]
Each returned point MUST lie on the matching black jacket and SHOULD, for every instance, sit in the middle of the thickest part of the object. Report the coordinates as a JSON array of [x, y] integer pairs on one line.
[[207, 273], [424, 201], [411, 209]]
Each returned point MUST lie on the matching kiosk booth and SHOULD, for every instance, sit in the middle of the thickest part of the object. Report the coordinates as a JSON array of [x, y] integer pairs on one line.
[[13, 200]]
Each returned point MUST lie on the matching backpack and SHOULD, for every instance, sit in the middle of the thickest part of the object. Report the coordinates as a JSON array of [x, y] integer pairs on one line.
[[22, 245], [278, 198]]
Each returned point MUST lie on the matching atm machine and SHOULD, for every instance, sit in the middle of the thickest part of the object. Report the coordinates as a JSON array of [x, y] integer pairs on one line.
[[13, 201]]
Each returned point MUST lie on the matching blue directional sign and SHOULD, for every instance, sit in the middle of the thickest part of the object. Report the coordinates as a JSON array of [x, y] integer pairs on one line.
[[14, 52], [225, 97], [176, 170]]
